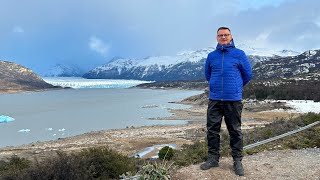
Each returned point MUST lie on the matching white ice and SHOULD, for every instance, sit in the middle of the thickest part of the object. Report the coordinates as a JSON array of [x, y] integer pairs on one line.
[[63, 129], [5, 119], [24, 130], [92, 83]]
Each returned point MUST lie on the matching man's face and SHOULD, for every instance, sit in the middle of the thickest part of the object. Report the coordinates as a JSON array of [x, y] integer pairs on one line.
[[224, 36]]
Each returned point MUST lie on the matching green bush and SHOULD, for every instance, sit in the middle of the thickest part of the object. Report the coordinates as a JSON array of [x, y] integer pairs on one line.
[[92, 163], [305, 139], [103, 162], [155, 170], [14, 167], [151, 170], [191, 154], [166, 153], [287, 89], [310, 118]]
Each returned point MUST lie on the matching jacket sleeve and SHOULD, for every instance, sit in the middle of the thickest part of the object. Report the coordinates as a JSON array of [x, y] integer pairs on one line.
[[245, 69], [207, 69]]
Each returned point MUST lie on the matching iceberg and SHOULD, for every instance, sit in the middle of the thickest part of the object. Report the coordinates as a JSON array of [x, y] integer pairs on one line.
[[5, 119], [63, 129], [24, 130]]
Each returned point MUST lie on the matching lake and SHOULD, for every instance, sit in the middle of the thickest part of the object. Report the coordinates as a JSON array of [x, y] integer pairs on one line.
[[49, 115]]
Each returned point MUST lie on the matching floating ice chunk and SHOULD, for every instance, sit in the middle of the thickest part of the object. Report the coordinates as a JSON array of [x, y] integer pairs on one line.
[[5, 119], [24, 130], [49, 129], [150, 106], [63, 129], [54, 134]]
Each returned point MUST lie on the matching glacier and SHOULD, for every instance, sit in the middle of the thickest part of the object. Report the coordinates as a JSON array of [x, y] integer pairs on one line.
[[76, 82], [5, 119]]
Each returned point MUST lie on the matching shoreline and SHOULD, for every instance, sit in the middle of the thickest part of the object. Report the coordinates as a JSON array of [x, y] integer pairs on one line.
[[133, 139], [14, 91], [125, 140]]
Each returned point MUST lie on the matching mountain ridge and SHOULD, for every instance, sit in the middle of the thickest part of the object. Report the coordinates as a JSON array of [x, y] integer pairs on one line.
[[186, 66], [63, 70], [17, 78], [286, 67]]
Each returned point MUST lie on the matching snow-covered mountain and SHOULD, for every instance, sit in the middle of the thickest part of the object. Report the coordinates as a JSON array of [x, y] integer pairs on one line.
[[267, 52], [307, 63], [183, 66], [60, 70]]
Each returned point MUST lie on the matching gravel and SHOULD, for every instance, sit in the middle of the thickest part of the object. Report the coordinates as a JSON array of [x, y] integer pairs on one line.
[[282, 164]]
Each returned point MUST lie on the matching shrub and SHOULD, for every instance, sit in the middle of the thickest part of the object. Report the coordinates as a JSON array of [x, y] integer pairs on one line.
[[103, 162], [166, 153], [14, 167], [92, 163], [310, 118], [305, 139], [191, 154], [151, 170], [155, 170]]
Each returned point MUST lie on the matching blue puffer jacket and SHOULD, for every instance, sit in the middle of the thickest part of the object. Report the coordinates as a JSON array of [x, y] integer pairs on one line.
[[227, 69]]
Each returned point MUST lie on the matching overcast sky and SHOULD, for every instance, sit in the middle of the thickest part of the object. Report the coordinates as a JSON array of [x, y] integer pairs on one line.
[[41, 33]]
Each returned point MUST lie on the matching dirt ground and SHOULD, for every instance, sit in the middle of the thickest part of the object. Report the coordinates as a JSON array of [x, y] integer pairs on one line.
[[283, 165]]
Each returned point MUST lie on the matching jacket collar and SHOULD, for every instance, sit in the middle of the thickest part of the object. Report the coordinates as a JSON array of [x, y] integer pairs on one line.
[[225, 47]]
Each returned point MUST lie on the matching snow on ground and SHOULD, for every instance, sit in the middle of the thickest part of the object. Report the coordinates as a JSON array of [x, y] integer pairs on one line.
[[304, 106], [301, 106]]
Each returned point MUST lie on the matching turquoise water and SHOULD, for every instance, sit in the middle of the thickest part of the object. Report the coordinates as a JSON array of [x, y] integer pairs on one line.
[[48, 115]]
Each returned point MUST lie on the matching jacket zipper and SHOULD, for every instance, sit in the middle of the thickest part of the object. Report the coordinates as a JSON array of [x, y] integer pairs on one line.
[[222, 74]]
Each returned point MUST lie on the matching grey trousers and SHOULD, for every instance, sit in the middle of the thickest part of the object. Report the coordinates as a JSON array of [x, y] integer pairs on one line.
[[231, 111]]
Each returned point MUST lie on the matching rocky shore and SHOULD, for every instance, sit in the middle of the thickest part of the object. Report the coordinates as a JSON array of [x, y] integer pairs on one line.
[[131, 140]]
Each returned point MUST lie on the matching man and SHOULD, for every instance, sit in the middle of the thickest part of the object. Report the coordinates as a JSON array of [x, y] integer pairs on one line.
[[227, 69]]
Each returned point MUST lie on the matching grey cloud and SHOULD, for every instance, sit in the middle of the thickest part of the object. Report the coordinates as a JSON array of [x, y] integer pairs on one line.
[[139, 28], [285, 24]]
